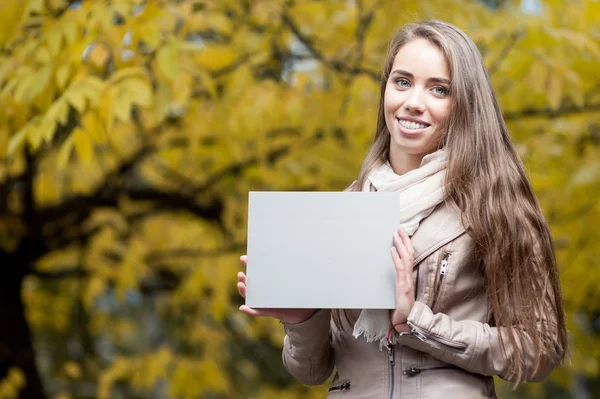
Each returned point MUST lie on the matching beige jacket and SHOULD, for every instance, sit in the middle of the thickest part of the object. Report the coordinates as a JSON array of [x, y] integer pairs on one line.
[[451, 352]]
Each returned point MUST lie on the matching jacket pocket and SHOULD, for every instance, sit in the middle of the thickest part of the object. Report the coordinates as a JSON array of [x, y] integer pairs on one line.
[[425, 335], [440, 275], [341, 386], [413, 371]]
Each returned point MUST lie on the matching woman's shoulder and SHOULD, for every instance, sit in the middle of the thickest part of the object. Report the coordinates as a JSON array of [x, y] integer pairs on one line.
[[443, 225]]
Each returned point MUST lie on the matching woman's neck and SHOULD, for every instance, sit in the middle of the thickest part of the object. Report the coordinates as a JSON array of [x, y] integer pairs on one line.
[[404, 163]]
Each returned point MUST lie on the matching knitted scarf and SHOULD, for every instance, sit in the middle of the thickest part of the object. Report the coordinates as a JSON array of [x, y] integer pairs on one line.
[[421, 190]]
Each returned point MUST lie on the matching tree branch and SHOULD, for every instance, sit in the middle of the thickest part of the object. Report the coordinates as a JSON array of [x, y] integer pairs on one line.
[[551, 113], [334, 65], [237, 167], [514, 37], [163, 255], [66, 272]]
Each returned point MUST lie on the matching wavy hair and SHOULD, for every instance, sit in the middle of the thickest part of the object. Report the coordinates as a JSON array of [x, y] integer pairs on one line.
[[487, 180]]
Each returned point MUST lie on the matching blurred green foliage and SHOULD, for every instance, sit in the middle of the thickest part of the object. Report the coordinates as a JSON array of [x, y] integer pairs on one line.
[[132, 131]]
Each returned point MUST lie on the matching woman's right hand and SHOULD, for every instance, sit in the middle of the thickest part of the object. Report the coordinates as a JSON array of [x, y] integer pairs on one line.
[[290, 316]]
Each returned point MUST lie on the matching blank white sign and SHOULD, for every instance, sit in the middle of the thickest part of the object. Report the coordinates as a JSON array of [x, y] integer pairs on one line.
[[321, 250]]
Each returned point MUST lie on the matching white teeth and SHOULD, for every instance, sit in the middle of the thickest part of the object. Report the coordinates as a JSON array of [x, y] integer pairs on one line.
[[411, 125]]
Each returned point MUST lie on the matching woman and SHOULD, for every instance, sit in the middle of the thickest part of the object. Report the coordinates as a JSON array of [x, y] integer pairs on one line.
[[477, 289]]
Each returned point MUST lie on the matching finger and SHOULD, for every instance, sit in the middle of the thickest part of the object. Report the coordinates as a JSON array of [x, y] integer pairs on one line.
[[397, 261], [255, 312], [406, 255], [242, 289], [398, 244], [406, 241], [406, 265], [244, 259], [403, 252], [241, 277]]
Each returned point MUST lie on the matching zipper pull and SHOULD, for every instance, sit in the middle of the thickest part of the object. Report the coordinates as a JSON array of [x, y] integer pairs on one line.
[[390, 349], [418, 334], [444, 264], [344, 386], [411, 372]]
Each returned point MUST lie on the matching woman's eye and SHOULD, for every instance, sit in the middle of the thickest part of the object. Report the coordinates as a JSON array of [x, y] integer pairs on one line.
[[402, 83], [440, 90]]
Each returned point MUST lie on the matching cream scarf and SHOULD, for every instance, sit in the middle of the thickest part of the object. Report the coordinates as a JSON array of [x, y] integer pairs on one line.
[[421, 190]]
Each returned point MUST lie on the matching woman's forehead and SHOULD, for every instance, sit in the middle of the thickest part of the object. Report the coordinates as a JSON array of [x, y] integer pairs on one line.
[[422, 58]]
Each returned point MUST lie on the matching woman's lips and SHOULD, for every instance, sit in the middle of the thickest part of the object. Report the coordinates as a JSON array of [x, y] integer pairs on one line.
[[408, 127]]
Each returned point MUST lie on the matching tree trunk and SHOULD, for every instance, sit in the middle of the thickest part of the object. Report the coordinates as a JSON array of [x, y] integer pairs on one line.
[[16, 348]]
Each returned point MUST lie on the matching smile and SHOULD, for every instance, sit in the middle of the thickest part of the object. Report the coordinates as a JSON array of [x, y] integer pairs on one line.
[[412, 125]]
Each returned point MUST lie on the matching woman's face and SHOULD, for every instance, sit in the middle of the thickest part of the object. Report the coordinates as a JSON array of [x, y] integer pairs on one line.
[[417, 100]]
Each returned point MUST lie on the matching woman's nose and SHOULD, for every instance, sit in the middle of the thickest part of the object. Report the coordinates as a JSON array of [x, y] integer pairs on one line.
[[414, 102]]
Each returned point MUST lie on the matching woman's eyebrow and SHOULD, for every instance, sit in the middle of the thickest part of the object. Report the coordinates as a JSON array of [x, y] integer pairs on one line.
[[440, 80], [411, 76]]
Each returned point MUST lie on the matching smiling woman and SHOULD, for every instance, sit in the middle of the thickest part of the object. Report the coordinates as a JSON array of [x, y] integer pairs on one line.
[[416, 103], [477, 290]]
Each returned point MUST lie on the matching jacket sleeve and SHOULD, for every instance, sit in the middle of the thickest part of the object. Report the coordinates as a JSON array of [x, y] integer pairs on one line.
[[307, 353], [470, 345]]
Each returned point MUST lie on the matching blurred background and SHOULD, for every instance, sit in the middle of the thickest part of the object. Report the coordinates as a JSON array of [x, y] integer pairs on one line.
[[131, 132]]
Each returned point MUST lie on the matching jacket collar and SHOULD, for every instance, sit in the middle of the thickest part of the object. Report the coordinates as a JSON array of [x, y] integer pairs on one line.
[[442, 226]]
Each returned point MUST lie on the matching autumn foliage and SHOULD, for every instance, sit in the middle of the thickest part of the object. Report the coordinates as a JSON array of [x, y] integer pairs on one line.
[[131, 132]]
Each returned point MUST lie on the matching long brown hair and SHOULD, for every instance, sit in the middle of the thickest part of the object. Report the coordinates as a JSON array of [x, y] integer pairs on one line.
[[487, 180]]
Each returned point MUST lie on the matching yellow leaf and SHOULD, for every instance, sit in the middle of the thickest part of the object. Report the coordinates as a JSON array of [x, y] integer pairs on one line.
[[121, 109], [58, 112], [73, 370], [46, 130], [128, 72], [221, 23], [59, 259], [10, 86], [40, 80], [152, 117], [76, 99], [3, 146], [554, 90], [216, 57], [21, 91], [35, 6], [97, 54], [197, 22], [209, 84], [140, 91], [11, 13], [35, 135], [96, 286], [150, 34], [168, 61], [17, 141], [83, 145], [16, 376], [62, 76], [54, 41], [93, 83], [182, 88], [93, 126], [43, 54], [70, 31]]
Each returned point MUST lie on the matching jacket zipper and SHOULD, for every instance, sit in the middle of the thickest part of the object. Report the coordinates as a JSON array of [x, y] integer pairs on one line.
[[345, 386], [438, 286], [432, 250], [426, 335], [412, 371], [437, 246], [391, 360]]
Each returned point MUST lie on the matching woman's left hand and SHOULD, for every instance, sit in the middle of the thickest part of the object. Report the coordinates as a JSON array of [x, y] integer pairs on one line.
[[403, 256]]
